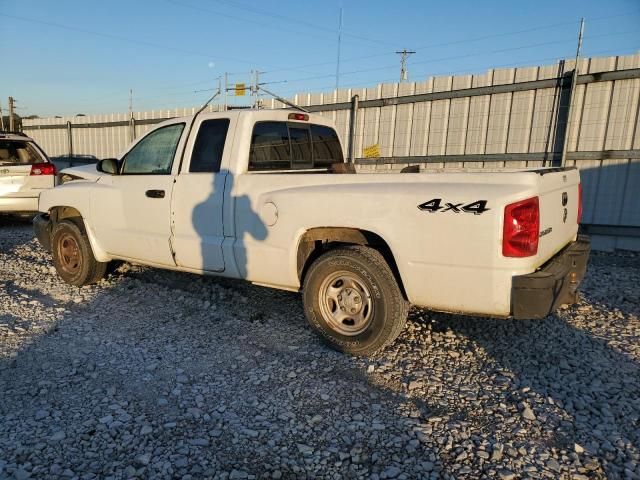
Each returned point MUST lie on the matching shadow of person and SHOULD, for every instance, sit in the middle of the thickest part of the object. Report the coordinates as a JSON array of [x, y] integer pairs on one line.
[[225, 224]]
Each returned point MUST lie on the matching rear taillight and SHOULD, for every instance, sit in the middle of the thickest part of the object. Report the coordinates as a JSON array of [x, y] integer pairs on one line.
[[43, 169], [299, 116], [521, 228], [579, 203]]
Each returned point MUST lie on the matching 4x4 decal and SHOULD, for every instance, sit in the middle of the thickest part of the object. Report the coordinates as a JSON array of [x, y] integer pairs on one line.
[[435, 205]]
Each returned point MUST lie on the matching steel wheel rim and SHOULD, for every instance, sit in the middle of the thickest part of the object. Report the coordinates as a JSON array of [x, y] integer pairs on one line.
[[345, 303], [69, 254]]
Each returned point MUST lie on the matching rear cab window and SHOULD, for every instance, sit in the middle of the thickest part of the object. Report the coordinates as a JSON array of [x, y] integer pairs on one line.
[[293, 146], [17, 152], [326, 146]]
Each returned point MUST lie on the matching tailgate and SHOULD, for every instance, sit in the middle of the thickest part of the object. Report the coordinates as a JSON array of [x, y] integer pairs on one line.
[[559, 198], [13, 178], [16, 180]]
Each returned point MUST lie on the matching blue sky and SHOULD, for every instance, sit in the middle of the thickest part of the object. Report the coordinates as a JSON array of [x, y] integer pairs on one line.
[[68, 56]]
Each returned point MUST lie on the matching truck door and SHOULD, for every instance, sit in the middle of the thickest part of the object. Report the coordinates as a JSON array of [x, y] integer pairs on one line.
[[131, 211], [199, 196]]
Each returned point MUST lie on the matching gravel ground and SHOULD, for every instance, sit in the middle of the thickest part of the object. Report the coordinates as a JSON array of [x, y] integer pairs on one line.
[[157, 374]]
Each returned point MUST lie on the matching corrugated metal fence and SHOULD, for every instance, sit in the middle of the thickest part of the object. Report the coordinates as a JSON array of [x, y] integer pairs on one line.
[[512, 117]]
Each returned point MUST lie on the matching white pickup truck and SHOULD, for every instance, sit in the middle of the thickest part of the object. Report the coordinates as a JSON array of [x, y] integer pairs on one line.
[[266, 196]]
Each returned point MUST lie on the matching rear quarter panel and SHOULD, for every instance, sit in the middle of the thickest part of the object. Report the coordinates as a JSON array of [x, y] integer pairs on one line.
[[448, 260]]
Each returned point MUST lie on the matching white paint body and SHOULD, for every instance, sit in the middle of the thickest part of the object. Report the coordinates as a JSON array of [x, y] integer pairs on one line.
[[248, 225]]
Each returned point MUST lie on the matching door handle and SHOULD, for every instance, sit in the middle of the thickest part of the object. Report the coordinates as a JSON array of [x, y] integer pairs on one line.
[[155, 193]]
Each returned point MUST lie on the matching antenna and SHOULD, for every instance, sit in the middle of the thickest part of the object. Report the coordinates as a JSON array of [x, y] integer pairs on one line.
[[339, 45], [204, 105], [283, 100], [404, 54], [574, 80]]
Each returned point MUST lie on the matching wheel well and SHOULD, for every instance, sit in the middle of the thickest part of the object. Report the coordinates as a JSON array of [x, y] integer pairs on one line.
[[317, 241], [60, 213]]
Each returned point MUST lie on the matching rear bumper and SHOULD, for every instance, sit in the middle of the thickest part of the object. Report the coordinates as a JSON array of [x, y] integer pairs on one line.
[[538, 294], [18, 204], [42, 229]]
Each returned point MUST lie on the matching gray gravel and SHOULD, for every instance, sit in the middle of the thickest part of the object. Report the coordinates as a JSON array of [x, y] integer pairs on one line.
[[156, 374]]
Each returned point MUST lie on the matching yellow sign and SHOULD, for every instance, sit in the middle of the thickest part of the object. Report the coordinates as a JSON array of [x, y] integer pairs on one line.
[[372, 151], [240, 89]]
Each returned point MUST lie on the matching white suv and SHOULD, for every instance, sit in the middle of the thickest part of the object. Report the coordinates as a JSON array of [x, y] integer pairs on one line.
[[25, 171]]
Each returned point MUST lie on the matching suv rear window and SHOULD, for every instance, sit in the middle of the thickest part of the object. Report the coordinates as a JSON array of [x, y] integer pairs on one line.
[[290, 146], [14, 152]]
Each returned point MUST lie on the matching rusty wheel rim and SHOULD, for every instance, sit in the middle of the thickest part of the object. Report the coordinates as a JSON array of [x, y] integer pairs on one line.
[[69, 254]]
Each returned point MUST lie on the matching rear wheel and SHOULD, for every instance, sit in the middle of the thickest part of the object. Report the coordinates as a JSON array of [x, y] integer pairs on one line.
[[72, 255], [353, 301]]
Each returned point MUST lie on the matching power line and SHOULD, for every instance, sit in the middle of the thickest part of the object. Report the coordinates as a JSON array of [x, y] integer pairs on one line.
[[474, 39], [131, 40], [300, 22], [240, 19], [426, 75], [457, 57], [284, 92], [435, 60], [432, 60], [270, 26]]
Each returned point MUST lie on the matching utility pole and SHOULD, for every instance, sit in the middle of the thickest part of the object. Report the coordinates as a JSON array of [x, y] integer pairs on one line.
[[11, 120], [132, 124], [404, 54], [255, 86], [1, 119], [339, 45], [574, 80]]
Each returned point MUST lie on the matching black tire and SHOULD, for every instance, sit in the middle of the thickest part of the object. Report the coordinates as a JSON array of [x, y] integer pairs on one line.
[[72, 254], [112, 266], [386, 309]]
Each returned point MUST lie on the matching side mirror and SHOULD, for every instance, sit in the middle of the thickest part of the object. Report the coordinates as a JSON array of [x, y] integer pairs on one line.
[[108, 165]]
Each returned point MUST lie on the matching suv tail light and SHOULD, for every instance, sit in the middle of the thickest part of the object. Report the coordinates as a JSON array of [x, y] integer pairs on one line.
[[579, 203], [43, 169], [521, 228]]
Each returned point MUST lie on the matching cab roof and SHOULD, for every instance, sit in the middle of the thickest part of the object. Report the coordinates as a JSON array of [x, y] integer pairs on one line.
[[255, 114]]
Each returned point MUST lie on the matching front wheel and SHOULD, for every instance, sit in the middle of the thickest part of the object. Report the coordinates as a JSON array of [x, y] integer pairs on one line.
[[353, 301], [72, 255]]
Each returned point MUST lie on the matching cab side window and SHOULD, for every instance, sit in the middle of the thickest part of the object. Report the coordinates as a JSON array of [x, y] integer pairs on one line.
[[154, 154], [209, 146]]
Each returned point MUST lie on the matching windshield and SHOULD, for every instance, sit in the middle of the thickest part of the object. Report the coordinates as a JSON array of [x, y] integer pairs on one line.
[[14, 152]]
